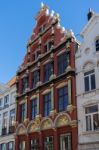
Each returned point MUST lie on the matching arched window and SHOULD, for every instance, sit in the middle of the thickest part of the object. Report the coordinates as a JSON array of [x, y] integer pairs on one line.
[[97, 44]]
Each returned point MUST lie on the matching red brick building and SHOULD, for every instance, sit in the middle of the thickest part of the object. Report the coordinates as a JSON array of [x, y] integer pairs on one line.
[[46, 101]]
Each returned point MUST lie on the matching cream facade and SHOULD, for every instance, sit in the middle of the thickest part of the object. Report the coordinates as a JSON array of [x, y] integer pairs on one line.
[[87, 86], [7, 115]]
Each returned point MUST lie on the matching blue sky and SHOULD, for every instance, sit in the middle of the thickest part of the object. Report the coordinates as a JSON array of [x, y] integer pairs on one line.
[[17, 22]]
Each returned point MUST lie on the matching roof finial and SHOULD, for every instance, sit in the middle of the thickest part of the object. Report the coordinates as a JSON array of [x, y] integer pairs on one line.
[[42, 4]]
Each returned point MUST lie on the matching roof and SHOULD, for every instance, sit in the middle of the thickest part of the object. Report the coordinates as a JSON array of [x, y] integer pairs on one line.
[[12, 81]]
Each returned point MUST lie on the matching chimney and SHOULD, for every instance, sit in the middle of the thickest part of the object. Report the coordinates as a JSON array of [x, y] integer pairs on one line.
[[90, 14]]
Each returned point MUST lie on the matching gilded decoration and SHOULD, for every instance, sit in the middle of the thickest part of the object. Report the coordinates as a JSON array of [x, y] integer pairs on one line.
[[62, 120], [21, 131], [33, 128], [46, 124], [70, 108]]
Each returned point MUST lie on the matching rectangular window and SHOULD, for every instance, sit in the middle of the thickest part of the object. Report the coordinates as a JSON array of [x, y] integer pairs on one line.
[[62, 62], [42, 28], [11, 145], [24, 84], [89, 79], [6, 101], [47, 104], [92, 118], [65, 142], [3, 146], [48, 143], [33, 108], [1, 103], [35, 78], [5, 120], [34, 144], [47, 71], [12, 117], [48, 46], [22, 145], [23, 111], [62, 98]]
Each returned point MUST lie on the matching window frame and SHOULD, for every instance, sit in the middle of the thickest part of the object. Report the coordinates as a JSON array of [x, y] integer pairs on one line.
[[48, 67], [34, 107], [46, 104], [23, 112], [97, 44]]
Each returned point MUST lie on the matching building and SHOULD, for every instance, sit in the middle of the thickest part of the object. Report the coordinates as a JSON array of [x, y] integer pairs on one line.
[[87, 66], [46, 101], [7, 115]]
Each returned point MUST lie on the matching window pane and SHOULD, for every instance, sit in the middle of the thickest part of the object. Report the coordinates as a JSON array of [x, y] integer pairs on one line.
[[91, 109], [47, 104], [96, 121], [48, 143], [33, 108], [97, 45], [93, 84], [86, 83], [88, 123], [65, 142]]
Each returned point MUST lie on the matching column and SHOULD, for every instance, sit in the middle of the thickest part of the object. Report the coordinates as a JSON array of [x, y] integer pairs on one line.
[[16, 142], [28, 142], [40, 141], [69, 91], [56, 140], [74, 138]]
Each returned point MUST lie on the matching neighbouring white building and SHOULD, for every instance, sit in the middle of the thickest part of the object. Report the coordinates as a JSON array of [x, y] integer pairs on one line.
[[7, 114], [87, 82]]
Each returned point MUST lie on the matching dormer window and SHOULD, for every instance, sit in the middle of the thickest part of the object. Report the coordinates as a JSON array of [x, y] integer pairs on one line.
[[48, 46], [97, 44], [42, 28]]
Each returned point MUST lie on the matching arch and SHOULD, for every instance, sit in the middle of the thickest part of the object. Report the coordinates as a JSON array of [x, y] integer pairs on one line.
[[21, 130], [32, 127], [46, 124], [88, 65], [62, 120]]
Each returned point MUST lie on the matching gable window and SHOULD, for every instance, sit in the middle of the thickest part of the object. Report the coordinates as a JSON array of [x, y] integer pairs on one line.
[[48, 46], [92, 118], [62, 62], [42, 28], [62, 98], [24, 84], [6, 101], [33, 108], [97, 45], [47, 71], [35, 78], [48, 143], [47, 104], [34, 144], [23, 111], [89, 80]]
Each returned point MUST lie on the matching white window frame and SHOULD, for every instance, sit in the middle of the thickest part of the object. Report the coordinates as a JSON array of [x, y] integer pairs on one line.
[[91, 114]]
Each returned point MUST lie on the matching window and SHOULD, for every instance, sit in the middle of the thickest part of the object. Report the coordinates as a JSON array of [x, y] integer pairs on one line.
[[22, 145], [34, 144], [12, 117], [33, 108], [24, 84], [3, 146], [6, 101], [89, 79], [5, 120], [97, 45], [23, 111], [47, 104], [62, 98], [62, 62], [65, 142], [42, 28], [11, 145], [48, 143], [47, 71], [35, 78], [1, 103], [48, 46], [92, 118]]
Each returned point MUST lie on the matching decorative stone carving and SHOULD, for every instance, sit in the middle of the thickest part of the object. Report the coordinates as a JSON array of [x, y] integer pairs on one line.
[[33, 128], [53, 113], [73, 123], [62, 121], [46, 124], [70, 108], [21, 131]]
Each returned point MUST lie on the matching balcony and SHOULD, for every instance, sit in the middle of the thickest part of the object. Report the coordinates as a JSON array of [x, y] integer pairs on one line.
[[4, 131], [11, 129]]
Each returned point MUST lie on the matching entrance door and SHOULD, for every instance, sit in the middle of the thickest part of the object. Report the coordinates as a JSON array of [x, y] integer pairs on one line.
[[65, 142]]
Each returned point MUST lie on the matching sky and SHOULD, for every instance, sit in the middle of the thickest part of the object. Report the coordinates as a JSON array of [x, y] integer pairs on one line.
[[17, 20]]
